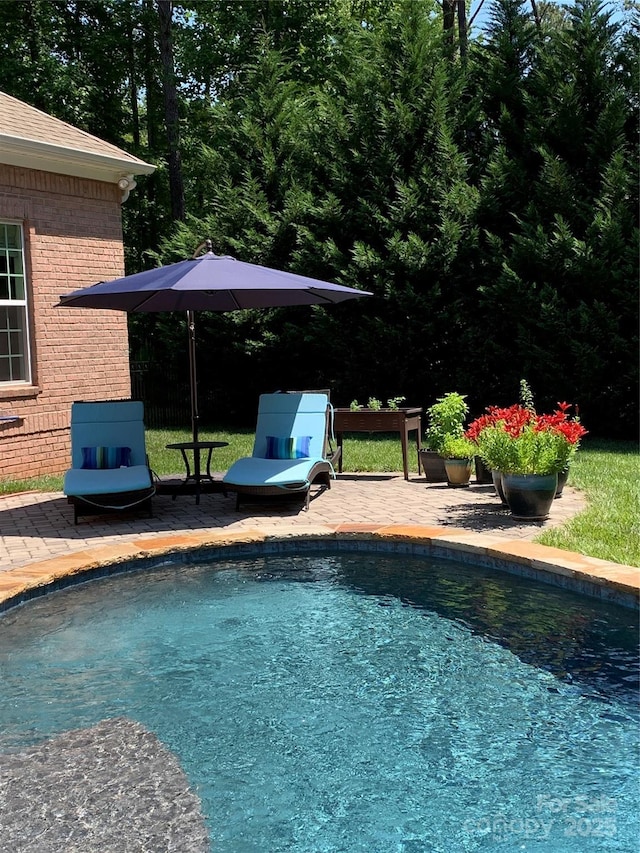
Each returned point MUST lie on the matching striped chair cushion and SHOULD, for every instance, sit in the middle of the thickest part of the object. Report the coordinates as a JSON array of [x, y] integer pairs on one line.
[[106, 457], [288, 447]]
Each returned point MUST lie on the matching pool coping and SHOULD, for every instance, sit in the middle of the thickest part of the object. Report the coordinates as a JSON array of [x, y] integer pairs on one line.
[[589, 575]]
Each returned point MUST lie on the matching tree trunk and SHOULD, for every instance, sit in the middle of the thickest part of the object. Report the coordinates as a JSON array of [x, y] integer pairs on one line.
[[462, 27], [133, 84], [171, 112], [448, 19], [452, 11]]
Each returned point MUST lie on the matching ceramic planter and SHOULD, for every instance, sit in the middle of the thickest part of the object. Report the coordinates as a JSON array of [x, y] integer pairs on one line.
[[563, 476], [530, 496], [496, 479], [458, 472], [433, 466], [483, 474]]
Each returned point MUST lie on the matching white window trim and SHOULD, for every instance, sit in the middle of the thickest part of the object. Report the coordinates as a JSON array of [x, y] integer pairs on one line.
[[23, 303]]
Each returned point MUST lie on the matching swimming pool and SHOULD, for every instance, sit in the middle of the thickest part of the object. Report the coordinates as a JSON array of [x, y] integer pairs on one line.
[[352, 702]]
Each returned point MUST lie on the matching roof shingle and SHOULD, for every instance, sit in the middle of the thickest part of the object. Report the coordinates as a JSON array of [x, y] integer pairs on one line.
[[22, 121]]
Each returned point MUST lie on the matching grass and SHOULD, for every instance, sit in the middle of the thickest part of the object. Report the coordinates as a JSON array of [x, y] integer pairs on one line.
[[607, 472]]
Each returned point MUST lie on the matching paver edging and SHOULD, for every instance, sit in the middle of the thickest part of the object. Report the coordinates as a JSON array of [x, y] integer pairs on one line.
[[23, 583]]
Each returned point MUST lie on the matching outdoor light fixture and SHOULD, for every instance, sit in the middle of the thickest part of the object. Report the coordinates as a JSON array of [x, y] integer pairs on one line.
[[126, 184]]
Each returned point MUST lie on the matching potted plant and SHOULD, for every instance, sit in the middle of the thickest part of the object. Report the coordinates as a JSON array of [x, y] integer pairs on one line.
[[458, 453], [571, 432], [444, 418], [526, 452]]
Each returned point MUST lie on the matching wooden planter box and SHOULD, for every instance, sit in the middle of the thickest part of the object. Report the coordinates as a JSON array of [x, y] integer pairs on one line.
[[402, 421]]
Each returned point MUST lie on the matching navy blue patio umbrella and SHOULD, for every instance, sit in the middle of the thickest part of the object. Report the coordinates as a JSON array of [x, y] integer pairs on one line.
[[207, 282]]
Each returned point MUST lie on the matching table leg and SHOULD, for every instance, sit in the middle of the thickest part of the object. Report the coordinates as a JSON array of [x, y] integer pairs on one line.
[[185, 459], [339, 439], [209, 477], [404, 437]]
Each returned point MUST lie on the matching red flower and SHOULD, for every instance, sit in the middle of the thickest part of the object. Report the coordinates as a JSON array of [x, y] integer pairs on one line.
[[514, 419], [561, 423]]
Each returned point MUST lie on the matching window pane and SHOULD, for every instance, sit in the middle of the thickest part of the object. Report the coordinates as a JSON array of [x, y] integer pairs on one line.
[[16, 343], [16, 287], [17, 368], [15, 318], [15, 263], [12, 369], [4, 286], [12, 345], [13, 240]]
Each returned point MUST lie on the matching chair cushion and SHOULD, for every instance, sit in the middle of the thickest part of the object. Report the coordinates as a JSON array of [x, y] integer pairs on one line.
[[106, 457], [288, 447], [106, 481], [284, 473]]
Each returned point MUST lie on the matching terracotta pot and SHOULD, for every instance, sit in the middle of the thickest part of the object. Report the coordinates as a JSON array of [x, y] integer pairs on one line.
[[433, 466], [530, 495], [458, 472]]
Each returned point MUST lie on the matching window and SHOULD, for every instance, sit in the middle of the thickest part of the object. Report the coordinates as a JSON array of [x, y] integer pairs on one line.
[[14, 334]]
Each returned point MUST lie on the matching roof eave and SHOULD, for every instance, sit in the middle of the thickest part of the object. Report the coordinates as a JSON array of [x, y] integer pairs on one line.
[[47, 157]]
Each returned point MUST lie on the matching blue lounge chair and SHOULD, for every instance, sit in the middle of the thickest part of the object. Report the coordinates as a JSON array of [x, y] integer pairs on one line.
[[109, 465], [290, 451]]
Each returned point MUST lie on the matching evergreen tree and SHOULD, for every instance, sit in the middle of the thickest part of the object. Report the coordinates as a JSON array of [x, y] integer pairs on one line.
[[558, 201]]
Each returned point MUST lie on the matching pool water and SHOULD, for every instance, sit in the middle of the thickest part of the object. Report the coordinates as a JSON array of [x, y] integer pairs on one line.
[[354, 702]]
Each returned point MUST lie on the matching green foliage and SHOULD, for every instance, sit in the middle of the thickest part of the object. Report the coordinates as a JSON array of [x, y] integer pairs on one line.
[[526, 396], [376, 405], [530, 452], [489, 202], [456, 447], [394, 402], [445, 418]]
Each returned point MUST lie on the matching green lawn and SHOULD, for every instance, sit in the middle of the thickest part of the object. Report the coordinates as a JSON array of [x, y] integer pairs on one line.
[[608, 473]]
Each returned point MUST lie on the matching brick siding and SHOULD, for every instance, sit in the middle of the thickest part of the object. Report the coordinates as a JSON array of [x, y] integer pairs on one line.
[[73, 238]]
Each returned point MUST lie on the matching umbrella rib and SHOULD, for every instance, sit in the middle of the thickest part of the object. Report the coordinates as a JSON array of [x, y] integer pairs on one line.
[[140, 305], [325, 299]]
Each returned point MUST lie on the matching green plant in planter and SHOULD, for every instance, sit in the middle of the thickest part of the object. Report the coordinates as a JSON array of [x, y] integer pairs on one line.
[[354, 406], [374, 404], [458, 447], [532, 451], [517, 441], [495, 447], [393, 403], [445, 418]]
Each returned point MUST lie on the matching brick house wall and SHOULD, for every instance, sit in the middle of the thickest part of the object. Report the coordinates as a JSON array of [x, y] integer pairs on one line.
[[73, 238]]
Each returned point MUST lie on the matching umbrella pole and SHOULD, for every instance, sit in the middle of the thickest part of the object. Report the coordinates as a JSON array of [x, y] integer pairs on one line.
[[191, 327]]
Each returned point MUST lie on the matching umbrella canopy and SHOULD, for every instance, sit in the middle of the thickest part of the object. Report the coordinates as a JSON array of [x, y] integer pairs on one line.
[[207, 282]]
